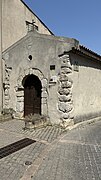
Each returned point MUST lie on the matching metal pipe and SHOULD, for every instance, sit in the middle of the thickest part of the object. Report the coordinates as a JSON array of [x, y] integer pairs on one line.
[[1, 67]]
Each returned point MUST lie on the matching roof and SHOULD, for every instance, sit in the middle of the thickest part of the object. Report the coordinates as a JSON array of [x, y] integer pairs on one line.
[[82, 50], [36, 16], [33, 34]]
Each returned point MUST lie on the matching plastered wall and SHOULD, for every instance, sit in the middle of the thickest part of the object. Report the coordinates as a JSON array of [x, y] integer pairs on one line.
[[14, 17], [86, 87], [45, 51]]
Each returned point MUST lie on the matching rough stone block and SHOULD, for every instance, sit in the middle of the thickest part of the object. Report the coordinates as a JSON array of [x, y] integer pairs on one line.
[[66, 63], [31, 71], [20, 99], [64, 91], [20, 107], [70, 80], [44, 110], [61, 106], [44, 94], [6, 92], [63, 77], [44, 100], [71, 115], [65, 98], [65, 107], [27, 71], [65, 116], [44, 83], [7, 97], [66, 84], [65, 70], [65, 123], [68, 107], [20, 94]]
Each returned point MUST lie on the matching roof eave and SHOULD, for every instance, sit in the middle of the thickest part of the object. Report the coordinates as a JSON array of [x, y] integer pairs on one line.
[[87, 53], [90, 51]]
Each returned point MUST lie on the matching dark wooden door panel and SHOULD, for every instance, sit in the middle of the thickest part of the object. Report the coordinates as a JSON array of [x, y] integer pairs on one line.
[[32, 103], [32, 95], [37, 105]]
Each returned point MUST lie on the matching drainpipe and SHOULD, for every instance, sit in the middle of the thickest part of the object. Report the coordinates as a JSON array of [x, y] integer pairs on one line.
[[1, 70]]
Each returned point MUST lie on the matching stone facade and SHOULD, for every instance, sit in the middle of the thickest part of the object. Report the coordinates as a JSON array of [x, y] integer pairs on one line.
[[10, 32], [68, 74], [52, 69], [62, 74]]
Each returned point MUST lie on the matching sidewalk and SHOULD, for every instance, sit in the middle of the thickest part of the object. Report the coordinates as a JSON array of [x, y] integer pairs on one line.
[[13, 166], [56, 155], [74, 156]]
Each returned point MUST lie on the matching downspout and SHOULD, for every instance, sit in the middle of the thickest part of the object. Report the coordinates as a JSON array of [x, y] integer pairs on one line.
[[1, 83]]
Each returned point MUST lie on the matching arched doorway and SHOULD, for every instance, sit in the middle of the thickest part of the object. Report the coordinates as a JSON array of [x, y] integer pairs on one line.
[[32, 95]]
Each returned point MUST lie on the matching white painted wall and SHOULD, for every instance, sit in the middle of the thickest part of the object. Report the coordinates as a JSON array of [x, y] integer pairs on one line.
[[86, 87], [14, 17]]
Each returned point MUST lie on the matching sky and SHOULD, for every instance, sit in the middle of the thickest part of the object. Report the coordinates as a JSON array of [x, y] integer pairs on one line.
[[79, 19]]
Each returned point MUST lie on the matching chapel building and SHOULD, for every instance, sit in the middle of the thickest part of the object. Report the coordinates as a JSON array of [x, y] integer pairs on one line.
[[41, 73]]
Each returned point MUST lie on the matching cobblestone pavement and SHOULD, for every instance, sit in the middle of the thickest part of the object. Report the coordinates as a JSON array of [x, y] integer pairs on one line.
[[75, 156], [72, 155], [12, 167]]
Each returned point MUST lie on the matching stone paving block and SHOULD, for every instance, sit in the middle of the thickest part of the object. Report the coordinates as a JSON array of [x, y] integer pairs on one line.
[[75, 156], [78, 159], [12, 131]]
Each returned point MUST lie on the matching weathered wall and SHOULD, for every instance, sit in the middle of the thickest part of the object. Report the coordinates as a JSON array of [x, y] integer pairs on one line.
[[45, 51], [86, 87], [70, 90], [14, 17]]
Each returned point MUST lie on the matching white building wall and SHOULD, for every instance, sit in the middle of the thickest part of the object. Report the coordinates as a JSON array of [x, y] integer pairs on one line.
[[86, 88], [13, 17]]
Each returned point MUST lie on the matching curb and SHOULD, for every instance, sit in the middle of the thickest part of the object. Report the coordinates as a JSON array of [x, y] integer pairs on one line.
[[84, 123]]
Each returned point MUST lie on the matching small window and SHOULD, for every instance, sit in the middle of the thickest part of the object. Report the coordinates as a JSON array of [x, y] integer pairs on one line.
[[52, 67], [30, 57], [76, 66]]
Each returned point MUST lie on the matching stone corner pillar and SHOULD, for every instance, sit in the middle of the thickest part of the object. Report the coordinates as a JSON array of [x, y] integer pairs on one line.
[[65, 100]]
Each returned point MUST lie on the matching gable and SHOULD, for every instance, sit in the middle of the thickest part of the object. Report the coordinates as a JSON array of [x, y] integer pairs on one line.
[[36, 16]]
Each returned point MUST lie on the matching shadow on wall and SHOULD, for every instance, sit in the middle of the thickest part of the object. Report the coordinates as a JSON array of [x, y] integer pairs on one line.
[[88, 116], [78, 60]]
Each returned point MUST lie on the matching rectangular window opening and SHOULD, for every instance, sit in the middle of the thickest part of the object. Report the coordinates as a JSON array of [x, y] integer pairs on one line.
[[52, 67]]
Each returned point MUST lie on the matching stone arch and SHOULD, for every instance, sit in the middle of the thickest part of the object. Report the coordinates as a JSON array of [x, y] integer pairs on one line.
[[29, 71], [20, 91]]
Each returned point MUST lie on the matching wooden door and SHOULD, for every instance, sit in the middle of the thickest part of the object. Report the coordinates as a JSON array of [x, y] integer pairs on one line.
[[32, 98]]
